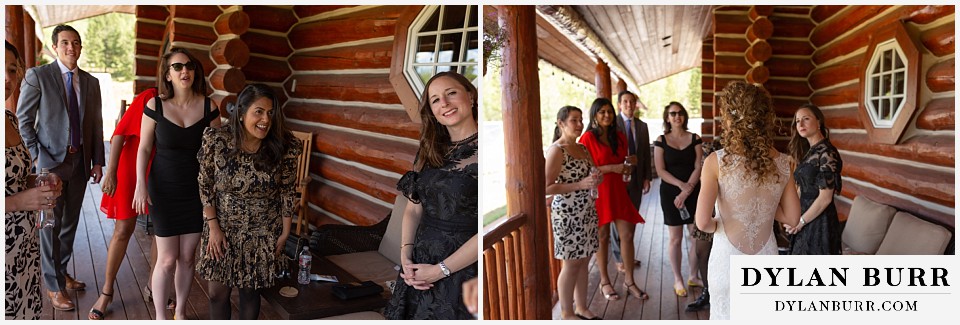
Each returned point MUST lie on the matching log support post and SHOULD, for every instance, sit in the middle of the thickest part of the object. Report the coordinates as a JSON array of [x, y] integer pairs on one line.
[[525, 186], [603, 81]]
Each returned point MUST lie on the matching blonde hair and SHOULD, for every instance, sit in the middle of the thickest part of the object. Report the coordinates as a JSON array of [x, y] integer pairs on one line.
[[749, 121]]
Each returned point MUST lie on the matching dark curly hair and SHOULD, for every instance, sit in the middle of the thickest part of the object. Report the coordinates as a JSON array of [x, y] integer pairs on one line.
[[749, 122]]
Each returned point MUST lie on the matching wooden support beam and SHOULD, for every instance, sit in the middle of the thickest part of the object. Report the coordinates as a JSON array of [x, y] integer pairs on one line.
[[939, 114], [759, 52], [366, 56], [842, 118], [262, 69], [234, 22], [602, 80], [789, 67], [839, 72], [233, 52], [937, 149], [392, 122], [941, 76], [371, 23], [840, 95], [525, 185], [940, 40], [276, 19], [824, 12], [381, 187], [928, 14], [372, 88]]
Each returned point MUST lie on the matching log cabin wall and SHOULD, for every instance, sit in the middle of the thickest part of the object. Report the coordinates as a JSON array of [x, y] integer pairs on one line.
[[916, 174], [817, 55], [340, 90], [330, 66]]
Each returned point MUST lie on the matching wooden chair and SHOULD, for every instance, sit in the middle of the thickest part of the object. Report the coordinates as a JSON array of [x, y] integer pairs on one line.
[[303, 179]]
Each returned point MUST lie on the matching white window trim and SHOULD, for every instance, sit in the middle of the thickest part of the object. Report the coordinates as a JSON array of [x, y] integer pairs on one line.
[[875, 59], [413, 34]]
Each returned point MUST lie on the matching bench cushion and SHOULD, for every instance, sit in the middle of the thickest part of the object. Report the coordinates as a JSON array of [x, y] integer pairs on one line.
[[367, 266], [866, 225], [362, 315], [909, 235], [390, 244]]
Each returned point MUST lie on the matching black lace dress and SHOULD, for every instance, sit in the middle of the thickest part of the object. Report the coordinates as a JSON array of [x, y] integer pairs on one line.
[[448, 196], [820, 169]]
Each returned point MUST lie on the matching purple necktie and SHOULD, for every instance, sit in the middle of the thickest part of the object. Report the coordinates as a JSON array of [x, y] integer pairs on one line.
[[631, 147], [73, 110]]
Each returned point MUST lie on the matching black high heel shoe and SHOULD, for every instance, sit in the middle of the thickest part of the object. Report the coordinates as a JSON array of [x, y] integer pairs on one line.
[[702, 302]]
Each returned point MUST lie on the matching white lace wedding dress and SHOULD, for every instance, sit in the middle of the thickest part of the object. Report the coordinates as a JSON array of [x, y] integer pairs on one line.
[[746, 211]]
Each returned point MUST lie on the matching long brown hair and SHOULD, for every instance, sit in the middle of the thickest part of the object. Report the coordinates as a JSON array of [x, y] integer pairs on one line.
[[278, 139], [434, 137], [798, 145], [562, 115], [165, 87], [748, 120], [611, 130], [667, 127]]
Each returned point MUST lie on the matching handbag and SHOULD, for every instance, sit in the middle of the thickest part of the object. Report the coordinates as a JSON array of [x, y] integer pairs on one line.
[[352, 290]]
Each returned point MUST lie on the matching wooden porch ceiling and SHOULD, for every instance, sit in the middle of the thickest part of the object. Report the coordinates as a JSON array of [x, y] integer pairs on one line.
[[47, 16]]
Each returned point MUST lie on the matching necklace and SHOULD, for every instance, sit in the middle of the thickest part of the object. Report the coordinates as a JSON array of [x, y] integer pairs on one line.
[[454, 145]]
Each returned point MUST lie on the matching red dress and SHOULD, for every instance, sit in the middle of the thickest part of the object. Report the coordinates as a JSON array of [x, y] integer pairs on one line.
[[120, 205], [613, 202]]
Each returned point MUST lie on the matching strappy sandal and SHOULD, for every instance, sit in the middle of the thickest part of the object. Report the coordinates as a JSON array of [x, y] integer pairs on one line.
[[635, 291], [148, 297], [96, 314], [609, 296]]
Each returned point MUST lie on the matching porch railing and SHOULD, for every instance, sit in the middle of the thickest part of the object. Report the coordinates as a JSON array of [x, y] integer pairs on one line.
[[503, 272]]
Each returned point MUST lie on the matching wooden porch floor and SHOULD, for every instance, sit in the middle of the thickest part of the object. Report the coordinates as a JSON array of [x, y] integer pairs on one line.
[[89, 265], [654, 275]]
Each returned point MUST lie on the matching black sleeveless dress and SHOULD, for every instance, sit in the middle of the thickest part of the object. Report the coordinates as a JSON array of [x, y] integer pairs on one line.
[[172, 183], [680, 164], [448, 196]]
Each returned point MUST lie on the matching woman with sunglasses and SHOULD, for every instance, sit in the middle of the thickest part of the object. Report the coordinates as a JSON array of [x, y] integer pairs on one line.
[[678, 157], [174, 126]]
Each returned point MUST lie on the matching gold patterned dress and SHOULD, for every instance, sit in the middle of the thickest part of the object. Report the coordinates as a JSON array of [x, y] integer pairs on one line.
[[250, 204]]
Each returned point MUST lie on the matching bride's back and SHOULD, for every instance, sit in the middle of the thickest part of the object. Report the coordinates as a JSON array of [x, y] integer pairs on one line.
[[746, 204]]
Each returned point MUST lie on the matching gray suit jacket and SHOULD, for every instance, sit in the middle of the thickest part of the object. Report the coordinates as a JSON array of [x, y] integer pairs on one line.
[[641, 172], [44, 123]]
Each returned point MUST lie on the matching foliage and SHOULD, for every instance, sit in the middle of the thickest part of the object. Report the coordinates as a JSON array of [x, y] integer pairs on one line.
[[109, 45], [683, 87], [494, 38]]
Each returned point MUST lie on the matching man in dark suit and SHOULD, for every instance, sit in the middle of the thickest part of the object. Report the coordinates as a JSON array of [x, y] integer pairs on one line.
[[638, 145], [62, 125]]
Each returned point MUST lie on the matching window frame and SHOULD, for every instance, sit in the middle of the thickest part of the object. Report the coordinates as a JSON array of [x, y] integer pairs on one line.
[[890, 36], [413, 34]]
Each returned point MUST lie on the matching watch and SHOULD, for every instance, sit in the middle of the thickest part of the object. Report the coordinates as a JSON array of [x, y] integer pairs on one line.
[[444, 269]]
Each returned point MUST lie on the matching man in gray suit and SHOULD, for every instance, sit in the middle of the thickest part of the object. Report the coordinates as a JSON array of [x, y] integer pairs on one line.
[[61, 123], [638, 146]]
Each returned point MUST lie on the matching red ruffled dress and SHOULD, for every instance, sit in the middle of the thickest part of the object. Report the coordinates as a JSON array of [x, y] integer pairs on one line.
[[613, 202], [120, 205]]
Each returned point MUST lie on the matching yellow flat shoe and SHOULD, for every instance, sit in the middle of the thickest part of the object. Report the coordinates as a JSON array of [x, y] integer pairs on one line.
[[690, 283], [681, 292]]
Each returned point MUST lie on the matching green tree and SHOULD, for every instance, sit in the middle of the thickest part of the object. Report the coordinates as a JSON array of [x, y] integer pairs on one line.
[[109, 45]]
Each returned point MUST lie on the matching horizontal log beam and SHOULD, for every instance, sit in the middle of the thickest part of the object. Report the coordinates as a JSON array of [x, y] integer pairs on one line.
[[719, 83], [787, 107], [792, 10], [731, 24], [277, 19], [727, 44], [205, 61], [843, 118], [234, 22], [267, 44], [858, 39], [794, 88], [850, 20], [195, 12], [375, 152], [371, 23], [372, 88], [836, 96], [921, 211], [261, 69], [307, 11], [147, 68], [926, 184], [366, 56], [937, 149], [230, 80], [939, 40], [824, 12], [728, 64], [789, 67], [706, 67], [346, 205], [941, 77], [190, 33], [152, 12], [147, 49], [759, 11], [929, 14], [788, 26], [939, 114], [836, 73], [758, 74], [790, 47], [233, 52], [222, 101], [149, 30], [381, 187], [392, 122]]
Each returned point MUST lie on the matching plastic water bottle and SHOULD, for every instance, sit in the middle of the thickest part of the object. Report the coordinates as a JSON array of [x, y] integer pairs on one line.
[[303, 277], [46, 218], [629, 174]]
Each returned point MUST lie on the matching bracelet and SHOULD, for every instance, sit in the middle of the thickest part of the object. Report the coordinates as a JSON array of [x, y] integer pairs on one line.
[[405, 245], [802, 222], [444, 269], [210, 219]]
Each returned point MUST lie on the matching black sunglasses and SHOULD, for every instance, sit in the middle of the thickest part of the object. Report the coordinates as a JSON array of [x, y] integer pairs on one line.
[[179, 66], [675, 113]]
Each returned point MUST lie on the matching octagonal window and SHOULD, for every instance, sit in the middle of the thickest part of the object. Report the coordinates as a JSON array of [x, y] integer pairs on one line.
[[442, 38], [886, 84]]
